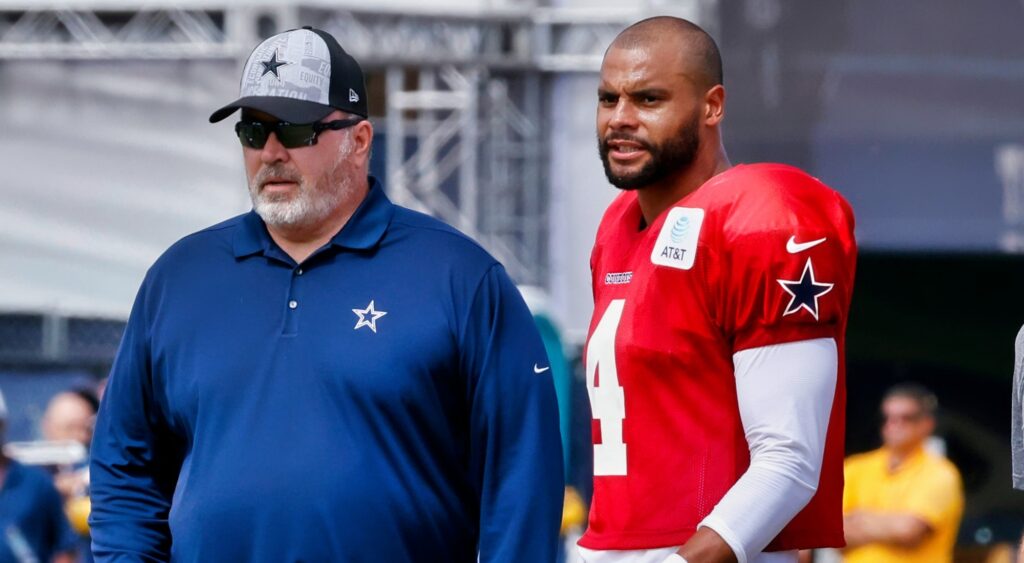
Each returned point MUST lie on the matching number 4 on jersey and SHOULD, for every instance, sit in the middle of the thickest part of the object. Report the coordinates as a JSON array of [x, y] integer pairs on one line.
[[607, 400]]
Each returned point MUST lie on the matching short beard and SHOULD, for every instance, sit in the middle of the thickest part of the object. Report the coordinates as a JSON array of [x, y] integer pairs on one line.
[[313, 203], [668, 158]]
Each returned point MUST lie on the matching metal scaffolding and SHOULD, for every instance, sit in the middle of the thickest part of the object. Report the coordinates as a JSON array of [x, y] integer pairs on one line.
[[512, 35], [463, 87]]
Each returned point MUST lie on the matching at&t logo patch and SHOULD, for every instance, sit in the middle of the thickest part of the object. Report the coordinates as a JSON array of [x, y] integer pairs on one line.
[[676, 246]]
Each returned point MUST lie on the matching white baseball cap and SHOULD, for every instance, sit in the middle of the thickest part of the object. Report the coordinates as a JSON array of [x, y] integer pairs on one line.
[[300, 76]]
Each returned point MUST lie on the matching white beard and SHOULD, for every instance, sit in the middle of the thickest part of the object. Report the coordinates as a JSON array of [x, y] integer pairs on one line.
[[312, 203], [307, 207]]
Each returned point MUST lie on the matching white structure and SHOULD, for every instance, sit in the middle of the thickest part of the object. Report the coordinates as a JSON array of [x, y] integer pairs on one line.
[[487, 116]]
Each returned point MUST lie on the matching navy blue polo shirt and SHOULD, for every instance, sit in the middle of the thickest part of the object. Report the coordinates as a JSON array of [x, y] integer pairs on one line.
[[378, 402], [32, 520]]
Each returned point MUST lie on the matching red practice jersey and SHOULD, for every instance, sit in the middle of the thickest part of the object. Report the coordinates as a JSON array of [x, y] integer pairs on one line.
[[759, 255]]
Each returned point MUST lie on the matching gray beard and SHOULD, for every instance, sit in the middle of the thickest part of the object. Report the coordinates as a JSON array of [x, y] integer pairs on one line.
[[308, 207], [313, 203]]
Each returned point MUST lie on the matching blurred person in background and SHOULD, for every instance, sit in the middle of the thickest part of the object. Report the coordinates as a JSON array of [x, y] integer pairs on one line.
[[33, 527], [329, 377], [902, 502], [70, 416], [715, 355]]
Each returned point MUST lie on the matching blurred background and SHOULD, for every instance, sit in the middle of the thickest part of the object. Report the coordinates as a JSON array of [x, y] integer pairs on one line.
[[484, 113]]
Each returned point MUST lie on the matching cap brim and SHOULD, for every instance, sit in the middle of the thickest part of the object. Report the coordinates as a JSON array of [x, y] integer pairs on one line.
[[285, 109]]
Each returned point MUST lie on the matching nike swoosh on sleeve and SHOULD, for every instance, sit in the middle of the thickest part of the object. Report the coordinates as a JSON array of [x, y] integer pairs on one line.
[[793, 247]]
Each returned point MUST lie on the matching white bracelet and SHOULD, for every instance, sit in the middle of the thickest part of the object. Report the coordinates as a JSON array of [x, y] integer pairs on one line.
[[676, 558]]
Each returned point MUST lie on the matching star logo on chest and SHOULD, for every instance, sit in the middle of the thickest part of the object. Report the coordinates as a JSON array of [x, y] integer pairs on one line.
[[271, 66], [804, 292], [368, 317]]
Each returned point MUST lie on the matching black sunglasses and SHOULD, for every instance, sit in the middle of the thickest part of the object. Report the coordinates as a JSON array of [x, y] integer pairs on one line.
[[254, 134]]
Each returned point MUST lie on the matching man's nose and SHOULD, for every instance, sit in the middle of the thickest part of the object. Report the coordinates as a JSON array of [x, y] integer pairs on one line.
[[273, 151], [624, 115]]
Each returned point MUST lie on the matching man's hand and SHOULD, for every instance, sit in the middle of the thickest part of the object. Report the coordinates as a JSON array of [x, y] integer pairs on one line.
[[706, 546], [899, 529]]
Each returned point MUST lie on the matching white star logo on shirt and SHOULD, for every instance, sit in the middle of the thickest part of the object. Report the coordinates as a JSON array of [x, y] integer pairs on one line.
[[370, 312]]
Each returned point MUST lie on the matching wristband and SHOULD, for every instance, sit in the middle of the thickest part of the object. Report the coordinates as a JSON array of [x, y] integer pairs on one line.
[[675, 558]]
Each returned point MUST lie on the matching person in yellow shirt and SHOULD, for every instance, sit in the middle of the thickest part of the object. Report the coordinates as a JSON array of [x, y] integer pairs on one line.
[[902, 503]]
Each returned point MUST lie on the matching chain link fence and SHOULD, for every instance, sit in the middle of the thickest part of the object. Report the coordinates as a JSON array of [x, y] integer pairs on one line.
[[33, 339]]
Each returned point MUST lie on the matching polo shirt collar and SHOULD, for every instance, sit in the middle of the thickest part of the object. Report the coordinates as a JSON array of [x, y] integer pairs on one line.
[[913, 459], [362, 231], [370, 221]]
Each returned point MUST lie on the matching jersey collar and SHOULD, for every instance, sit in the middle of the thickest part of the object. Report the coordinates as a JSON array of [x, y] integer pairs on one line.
[[363, 231]]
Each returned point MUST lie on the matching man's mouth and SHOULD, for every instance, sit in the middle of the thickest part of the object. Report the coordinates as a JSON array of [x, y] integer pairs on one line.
[[275, 183], [624, 149]]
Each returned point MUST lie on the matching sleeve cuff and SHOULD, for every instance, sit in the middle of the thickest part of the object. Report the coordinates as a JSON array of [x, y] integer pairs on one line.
[[722, 529]]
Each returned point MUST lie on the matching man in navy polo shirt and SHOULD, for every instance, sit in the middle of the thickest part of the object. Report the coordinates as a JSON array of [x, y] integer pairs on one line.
[[329, 377]]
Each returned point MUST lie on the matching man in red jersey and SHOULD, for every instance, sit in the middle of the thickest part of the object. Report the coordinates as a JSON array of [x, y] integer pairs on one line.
[[715, 355]]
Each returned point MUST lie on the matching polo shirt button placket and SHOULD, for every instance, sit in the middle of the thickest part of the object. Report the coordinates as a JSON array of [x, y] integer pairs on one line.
[[291, 324]]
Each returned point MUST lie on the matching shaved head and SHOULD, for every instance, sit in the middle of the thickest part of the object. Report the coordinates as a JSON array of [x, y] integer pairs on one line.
[[703, 62]]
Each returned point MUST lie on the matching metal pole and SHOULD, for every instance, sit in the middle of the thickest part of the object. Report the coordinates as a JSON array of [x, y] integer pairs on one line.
[[394, 83], [534, 194], [427, 145], [468, 151]]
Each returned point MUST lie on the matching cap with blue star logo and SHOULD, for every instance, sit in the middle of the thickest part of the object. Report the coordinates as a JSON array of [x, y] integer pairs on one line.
[[272, 65], [299, 76]]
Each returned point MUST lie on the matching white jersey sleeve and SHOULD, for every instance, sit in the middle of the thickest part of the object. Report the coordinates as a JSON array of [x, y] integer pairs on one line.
[[785, 394]]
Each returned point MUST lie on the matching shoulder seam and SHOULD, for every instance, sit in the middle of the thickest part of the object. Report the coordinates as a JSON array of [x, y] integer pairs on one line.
[[450, 231], [228, 224], [472, 300]]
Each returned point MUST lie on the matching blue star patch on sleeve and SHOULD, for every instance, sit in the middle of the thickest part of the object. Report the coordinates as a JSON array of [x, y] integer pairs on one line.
[[804, 293]]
